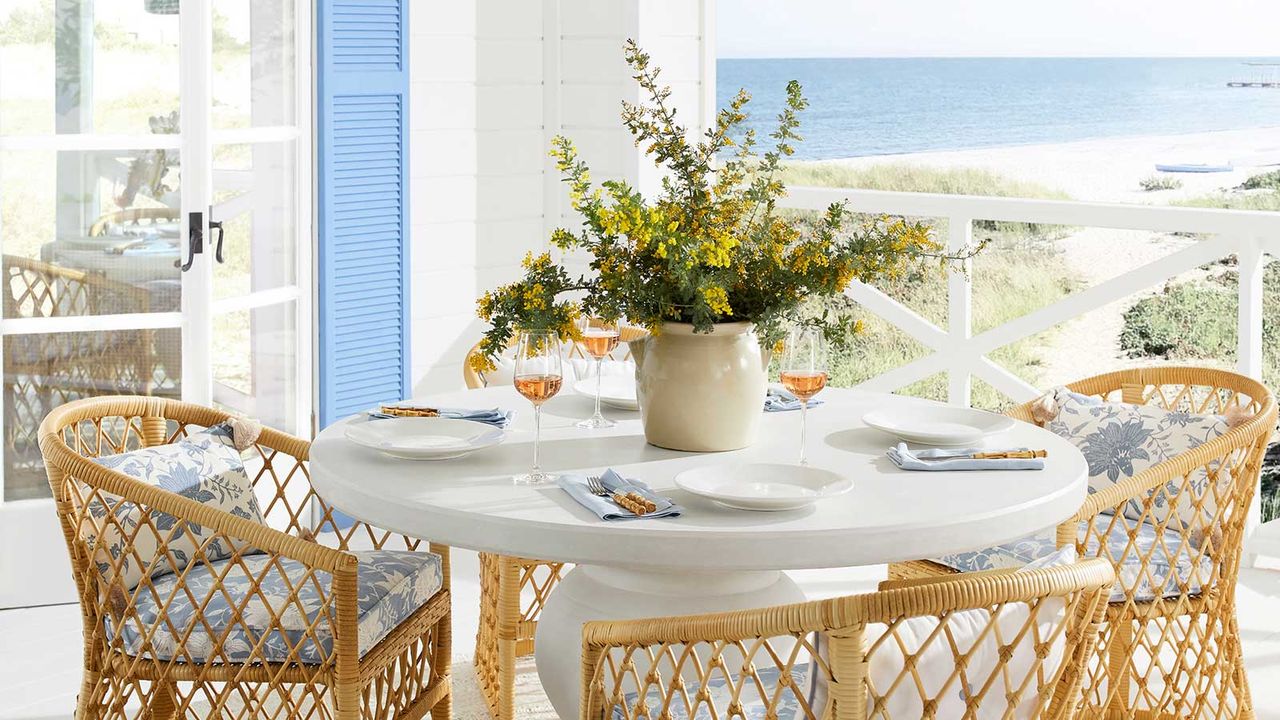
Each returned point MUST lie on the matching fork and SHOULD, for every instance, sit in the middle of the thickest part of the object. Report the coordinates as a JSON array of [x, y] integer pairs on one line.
[[631, 502]]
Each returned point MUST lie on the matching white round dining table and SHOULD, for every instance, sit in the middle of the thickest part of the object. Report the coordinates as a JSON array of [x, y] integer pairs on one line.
[[711, 558]]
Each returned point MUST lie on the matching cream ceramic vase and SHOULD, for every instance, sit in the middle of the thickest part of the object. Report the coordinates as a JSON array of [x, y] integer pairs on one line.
[[701, 392]]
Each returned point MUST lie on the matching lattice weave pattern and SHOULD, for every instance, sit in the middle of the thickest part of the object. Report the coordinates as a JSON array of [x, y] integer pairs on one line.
[[1004, 644], [1177, 656], [44, 370], [403, 676]]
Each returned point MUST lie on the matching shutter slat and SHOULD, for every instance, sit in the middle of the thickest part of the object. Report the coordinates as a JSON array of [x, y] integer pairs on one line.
[[362, 152]]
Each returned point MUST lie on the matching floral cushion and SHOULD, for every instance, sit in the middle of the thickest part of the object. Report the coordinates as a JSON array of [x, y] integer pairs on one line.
[[205, 467], [392, 585], [1171, 563], [1120, 440]]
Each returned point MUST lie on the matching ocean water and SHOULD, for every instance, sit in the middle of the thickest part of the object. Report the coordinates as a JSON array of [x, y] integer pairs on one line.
[[880, 106]]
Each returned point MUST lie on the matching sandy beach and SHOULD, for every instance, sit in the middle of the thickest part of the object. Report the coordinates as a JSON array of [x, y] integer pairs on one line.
[[1109, 169]]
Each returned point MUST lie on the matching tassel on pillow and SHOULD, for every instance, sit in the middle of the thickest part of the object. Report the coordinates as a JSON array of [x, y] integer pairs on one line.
[[244, 432], [1045, 408], [1236, 416]]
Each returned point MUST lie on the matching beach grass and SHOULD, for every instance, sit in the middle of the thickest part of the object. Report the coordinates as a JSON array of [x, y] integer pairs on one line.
[[1018, 272], [902, 177], [1268, 201]]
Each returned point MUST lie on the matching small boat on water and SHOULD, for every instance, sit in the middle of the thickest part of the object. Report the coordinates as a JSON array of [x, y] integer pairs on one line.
[[1193, 168]]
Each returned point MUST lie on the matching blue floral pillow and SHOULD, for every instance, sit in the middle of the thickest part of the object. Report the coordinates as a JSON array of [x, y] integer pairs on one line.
[[1120, 440], [205, 467]]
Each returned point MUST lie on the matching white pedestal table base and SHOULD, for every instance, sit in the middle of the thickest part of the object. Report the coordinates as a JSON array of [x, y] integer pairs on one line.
[[607, 593]]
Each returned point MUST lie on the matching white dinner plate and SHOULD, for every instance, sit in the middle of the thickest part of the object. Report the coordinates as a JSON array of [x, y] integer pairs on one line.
[[938, 424], [763, 486], [616, 391], [424, 438]]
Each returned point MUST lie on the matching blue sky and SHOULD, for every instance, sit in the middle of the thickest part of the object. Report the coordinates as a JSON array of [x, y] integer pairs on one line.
[[910, 28]]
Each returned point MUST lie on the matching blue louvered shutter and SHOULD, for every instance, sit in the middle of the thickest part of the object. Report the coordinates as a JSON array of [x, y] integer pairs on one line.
[[363, 219]]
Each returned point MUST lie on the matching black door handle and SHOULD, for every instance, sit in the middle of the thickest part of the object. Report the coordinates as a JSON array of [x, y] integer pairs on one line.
[[195, 241], [217, 225]]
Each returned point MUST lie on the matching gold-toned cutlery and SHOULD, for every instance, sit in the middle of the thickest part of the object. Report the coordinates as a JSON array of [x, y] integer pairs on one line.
[[632, 502]]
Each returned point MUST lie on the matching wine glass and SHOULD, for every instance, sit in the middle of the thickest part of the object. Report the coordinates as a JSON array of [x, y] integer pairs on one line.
[[538, 374], [599, 338], [804, 372]]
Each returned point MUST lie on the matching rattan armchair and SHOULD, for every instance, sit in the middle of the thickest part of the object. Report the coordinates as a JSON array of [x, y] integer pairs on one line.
[[1003, 644], [404, 675], [1176, 656], [513, 590]]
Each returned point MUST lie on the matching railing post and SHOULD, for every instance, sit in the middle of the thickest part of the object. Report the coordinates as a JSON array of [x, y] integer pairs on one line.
[[960, 311], [1251, 262]]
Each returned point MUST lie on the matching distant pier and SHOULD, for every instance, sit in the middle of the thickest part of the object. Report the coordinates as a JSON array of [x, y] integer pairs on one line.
[[1265, 75]]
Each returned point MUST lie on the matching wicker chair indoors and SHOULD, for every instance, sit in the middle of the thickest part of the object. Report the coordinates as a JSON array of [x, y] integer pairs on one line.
[[512, 590], [1193, 508], [261, 622], [1005, 644]]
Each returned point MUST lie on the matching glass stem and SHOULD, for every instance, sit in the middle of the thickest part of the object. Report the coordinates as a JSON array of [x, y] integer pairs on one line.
[[804, 426], [537, 434], [599, 369]]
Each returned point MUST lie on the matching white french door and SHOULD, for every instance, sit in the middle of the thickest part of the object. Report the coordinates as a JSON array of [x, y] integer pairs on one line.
[[155, 227]]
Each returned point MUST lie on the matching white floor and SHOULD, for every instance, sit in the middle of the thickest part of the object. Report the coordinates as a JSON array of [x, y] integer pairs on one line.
[[40, 647]]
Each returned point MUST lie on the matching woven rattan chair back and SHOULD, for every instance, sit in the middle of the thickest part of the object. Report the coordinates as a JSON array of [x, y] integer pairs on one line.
[[1177, 656], [512, 592], [1028, 637], [44, 370], [404, 675]]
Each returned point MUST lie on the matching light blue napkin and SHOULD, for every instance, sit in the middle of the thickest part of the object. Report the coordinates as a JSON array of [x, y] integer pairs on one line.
[[952, 459], [781, 400], [603, 507], [492, 416]]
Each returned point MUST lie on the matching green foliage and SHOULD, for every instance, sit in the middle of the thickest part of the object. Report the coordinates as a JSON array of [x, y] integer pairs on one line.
[[1268, 201], [1156, 183], [1265, 181], [901, 177], [1196, 320], [712, 246], [28, 24]]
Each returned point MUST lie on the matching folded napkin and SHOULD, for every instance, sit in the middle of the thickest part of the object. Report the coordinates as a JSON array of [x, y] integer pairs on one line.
[[940, 459], [492, 416], [606, 509], [781, 399]]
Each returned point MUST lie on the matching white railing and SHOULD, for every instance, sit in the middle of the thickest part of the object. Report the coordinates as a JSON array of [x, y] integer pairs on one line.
[[955, 350]]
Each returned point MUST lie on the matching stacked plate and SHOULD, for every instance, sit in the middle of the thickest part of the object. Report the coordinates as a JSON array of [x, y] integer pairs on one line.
[[616, 391], [939, 424], [763, 486], [420, 438]]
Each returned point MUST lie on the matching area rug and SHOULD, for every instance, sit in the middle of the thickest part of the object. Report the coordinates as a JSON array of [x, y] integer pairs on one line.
[[530, 702]]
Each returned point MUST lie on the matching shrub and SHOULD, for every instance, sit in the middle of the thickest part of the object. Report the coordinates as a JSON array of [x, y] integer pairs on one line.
[[1269, 201], [1154, 183], [1196, 320], [1265, 181]]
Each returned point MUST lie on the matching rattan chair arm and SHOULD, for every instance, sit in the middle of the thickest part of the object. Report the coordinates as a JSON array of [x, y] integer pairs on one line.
[[917, 581], [955, 592], [258, 536]]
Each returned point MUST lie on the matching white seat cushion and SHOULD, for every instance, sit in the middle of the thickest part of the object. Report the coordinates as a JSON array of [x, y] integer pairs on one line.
[[392, 586], [1172, 561], [205, 467]]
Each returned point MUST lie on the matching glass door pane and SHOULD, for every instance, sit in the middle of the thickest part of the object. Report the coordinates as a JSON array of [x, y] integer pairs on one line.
[[260, 200]]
